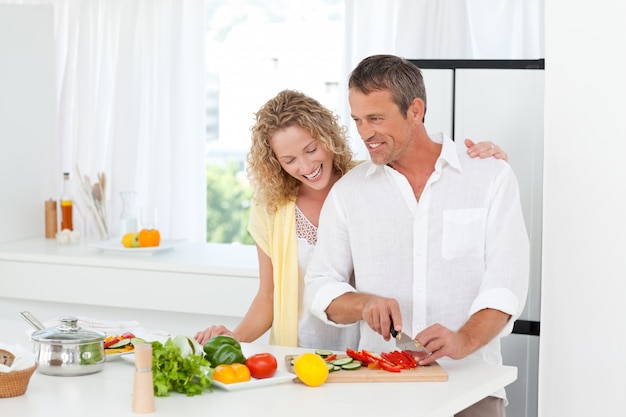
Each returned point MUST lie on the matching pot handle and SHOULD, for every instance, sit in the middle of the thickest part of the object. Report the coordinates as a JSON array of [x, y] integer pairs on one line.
[[32, 320]]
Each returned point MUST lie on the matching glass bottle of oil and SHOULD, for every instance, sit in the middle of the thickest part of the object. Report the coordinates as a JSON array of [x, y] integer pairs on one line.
[[66, 204]]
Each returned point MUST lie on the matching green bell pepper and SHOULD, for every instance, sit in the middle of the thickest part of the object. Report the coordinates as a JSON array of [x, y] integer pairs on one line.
[[221, 350]]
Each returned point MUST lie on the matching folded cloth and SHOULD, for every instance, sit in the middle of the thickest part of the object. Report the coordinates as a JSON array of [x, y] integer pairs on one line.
[[106, 326], [21, 358]]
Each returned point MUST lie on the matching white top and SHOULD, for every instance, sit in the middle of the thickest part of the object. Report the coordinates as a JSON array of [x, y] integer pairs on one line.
[[313, 332], [462, 248]]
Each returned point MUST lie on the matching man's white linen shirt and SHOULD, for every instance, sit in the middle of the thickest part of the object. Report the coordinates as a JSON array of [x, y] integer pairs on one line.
[[462, 248]]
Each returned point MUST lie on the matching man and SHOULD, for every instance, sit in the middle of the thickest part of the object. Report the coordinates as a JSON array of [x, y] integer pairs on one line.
[[436, 240]]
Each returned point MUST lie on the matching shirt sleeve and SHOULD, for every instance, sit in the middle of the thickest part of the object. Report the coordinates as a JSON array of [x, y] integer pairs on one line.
[[330, 269], [505, 284]]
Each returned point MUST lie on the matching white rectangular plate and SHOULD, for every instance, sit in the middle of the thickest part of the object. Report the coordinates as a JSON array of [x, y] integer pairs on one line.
[[278, 378]]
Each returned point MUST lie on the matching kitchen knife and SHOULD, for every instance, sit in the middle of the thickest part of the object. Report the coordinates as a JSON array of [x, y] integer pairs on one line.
[[406, 342]]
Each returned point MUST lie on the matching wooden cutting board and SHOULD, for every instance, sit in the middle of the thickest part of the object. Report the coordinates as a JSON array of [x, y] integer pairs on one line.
[[431, 373]]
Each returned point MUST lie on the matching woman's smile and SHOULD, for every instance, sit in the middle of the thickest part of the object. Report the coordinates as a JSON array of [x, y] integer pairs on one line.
[[315, 175]]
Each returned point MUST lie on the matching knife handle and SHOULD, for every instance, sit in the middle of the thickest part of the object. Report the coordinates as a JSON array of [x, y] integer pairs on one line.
[[393, 331]]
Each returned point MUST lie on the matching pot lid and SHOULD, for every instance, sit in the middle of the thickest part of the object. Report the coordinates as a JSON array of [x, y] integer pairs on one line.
[[68, 332]]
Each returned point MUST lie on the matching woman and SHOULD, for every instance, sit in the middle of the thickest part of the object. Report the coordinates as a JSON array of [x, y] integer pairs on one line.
[[298, 152]]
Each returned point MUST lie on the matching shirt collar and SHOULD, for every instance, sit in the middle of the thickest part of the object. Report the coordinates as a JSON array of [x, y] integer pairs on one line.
[[448, 154], [372, 169]]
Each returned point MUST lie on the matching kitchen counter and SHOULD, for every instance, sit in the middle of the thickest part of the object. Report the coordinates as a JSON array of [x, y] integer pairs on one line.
[[109, 392]]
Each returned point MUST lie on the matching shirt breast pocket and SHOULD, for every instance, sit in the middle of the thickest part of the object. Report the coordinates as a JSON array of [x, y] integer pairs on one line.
[[464, 233]]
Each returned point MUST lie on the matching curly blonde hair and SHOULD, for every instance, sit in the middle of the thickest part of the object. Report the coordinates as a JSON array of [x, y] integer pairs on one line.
[[271, 184]]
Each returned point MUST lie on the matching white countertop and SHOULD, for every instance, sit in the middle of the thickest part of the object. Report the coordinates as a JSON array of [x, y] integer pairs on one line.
[[185, 257], [109, 392]]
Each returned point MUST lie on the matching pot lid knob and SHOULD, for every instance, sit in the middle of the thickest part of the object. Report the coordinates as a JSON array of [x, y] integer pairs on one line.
[[68, 324]]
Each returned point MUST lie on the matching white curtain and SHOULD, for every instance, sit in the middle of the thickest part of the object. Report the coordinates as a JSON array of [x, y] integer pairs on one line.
[[439, 29], [130, 77]]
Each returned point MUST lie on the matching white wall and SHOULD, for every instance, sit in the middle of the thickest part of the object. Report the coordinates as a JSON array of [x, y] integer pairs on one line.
[[583, 346]]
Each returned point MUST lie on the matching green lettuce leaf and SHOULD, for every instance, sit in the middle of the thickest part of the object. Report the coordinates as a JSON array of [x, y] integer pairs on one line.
[[171, 371]]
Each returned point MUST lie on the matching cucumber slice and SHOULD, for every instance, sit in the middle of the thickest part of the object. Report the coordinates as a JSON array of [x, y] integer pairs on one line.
[[136, 340], [336, 368], [330, 367], [342, 361], [323, 353], [351, 365]]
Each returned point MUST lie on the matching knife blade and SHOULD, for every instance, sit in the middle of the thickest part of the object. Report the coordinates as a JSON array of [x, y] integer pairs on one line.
[[406, 342]]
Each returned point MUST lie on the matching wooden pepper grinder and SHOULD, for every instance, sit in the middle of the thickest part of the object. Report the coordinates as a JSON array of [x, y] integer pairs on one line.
[[143, 389], [51, 219]]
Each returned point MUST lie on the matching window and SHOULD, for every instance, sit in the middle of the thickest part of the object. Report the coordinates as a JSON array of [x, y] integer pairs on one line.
[[254, 49]]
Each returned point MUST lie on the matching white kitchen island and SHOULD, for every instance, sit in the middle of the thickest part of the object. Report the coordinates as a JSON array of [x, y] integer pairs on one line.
[[109, 392]]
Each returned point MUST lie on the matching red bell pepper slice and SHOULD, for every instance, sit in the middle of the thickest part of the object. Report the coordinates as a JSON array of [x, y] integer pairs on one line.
[[399, 359], [389, 357], [410, 358], [359, 356], [381, 361], [389, 361], [389, 367], [373, 357], [111, 342]]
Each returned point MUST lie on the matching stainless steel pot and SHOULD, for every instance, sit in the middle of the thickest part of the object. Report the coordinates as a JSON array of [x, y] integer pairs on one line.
[[68, 350]]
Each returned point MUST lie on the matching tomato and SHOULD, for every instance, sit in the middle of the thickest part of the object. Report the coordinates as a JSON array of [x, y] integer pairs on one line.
[[128, 335], [262, 365], [149, 238]]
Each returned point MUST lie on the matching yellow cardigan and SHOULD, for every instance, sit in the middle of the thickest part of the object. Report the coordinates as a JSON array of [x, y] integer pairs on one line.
[[275, 234]]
